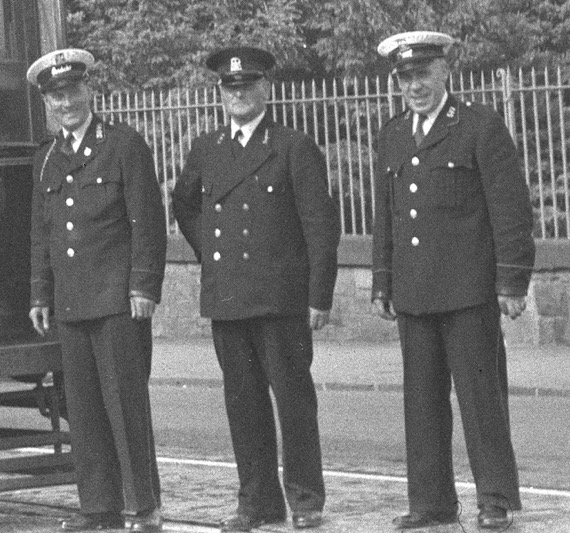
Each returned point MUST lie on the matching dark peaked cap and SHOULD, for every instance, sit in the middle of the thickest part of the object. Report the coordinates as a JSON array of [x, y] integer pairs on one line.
[[240, 65]]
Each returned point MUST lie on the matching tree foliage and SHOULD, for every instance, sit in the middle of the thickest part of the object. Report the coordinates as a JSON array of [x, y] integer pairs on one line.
[[161, 43]]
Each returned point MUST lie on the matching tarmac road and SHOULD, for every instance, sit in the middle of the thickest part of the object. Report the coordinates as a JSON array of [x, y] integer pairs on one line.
[[362, 436]]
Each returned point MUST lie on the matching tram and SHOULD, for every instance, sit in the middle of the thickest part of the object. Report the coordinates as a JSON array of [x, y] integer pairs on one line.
[[30, 366]]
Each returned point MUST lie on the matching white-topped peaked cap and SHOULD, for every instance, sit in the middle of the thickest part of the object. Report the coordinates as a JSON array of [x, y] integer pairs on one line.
[[59, 68], [406, 49]]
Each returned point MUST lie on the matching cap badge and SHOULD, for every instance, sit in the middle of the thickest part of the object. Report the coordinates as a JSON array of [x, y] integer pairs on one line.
[[56, 71], [405, 52], [235, 64], [59, 58]]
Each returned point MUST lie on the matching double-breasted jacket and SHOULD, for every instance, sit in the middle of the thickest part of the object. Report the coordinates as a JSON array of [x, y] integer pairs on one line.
[[453, 216], [261, 222], [98, 225]]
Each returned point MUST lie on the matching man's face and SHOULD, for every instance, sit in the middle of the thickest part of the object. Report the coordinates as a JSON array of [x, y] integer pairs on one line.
[[245, 102], [423, 86], [69, 105]]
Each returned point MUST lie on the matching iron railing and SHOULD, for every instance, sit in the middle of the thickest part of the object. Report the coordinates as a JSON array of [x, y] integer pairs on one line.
[[343, 116]]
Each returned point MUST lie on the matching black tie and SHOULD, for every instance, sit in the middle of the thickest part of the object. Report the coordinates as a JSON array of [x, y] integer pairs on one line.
[[419, 134], [67, 146], [237, 138]]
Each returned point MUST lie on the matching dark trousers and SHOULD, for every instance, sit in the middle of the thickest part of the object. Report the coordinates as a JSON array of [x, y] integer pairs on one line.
[[467, 345], [106, 367], [255, 355]]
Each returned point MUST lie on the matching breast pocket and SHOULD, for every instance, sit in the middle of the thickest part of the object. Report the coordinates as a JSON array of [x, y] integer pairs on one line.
[[52, 192], [101, 192], [453, 182]]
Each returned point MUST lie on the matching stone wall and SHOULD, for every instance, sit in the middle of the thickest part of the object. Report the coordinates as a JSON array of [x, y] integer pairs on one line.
[[546, 320]]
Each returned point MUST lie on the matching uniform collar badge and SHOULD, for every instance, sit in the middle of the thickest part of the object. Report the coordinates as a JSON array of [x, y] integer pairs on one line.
[[451, 112], [99, 133], [221, 138]]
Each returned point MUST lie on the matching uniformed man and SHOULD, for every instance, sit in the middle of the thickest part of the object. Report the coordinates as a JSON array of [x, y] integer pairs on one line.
[[452, 251], [253, 203], [98, 256]]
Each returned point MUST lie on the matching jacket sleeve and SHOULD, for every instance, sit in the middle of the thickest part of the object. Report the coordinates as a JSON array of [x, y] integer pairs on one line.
[[319, 220], [509, 206], [41, 282], [382, 244], [187, 201], [147, 219]]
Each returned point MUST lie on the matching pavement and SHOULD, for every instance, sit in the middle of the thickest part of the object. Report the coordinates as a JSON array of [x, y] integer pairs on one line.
[[197, 493]]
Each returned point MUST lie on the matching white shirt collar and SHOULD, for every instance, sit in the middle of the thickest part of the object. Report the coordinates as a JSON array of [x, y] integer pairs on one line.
[[247, 129], [428, 123], [79, 133]]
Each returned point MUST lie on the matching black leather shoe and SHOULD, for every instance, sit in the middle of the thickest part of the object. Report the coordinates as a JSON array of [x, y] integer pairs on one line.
[[243, 522], [307, 519], [94, 521], [147, 522], [416, 520], [493, 517]]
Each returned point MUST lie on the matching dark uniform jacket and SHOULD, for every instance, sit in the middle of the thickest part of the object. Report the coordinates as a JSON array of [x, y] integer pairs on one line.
[[98, 225], [261, 222], [453, 216]]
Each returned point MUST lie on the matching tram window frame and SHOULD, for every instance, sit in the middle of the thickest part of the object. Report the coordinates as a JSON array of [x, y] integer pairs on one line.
[[21, 111]]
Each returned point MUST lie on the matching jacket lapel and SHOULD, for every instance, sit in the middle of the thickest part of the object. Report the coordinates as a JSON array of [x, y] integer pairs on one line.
[[257, 151]]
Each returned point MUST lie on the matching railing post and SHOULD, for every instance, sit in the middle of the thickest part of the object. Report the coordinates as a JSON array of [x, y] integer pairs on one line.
[[508, 102]]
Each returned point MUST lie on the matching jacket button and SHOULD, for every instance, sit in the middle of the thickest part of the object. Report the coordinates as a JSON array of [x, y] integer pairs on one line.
[[69, 202], [218, 208], [245, 232], [217, 232], [246, 207], [451, 164], [99, 180], [415, 161], [270, 189], [69, 178], [69, 226], [413, 213], [217, 256], [413, 187], [70, 252], [245, 256], [415, 241]]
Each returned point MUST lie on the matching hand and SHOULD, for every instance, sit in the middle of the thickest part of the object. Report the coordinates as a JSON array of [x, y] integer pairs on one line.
[[142, 307], [318, 319], [40, 319], [384, 309], [512, 306]]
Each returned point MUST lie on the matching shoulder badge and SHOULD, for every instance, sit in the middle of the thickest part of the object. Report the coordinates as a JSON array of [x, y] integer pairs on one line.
[[266, 136]]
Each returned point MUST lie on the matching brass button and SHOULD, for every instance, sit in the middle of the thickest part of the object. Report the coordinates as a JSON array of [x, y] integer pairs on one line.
[[246, 207], [217, 232], [245, 232], [413, 213], [413, 187], [69, 202], [245, 256], [415, 241], [217, 256], [218, 207], [415, 161], [69, 178], [69, 226], [70, 252]]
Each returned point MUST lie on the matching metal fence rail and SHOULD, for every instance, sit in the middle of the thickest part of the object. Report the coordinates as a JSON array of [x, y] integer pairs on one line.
[[343, 116]]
